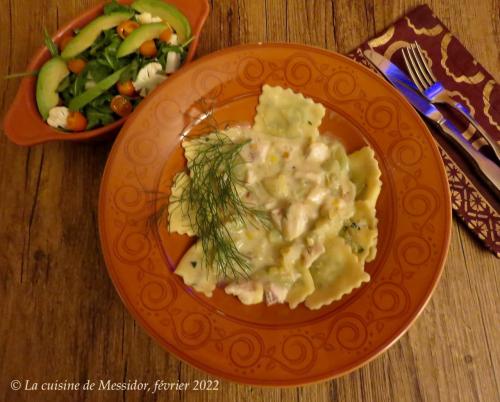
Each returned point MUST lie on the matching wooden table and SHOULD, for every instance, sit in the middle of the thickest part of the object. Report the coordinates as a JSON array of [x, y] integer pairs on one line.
[[61, 317]]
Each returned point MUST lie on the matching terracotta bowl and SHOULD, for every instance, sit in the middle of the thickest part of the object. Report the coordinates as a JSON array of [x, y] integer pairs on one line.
[[23, 123]]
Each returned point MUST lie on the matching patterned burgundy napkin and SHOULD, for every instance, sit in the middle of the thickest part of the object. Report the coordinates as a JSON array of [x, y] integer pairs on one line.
[[470, 84]]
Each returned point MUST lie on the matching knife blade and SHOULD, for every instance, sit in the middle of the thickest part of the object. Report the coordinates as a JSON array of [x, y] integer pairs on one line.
[[488, 170]]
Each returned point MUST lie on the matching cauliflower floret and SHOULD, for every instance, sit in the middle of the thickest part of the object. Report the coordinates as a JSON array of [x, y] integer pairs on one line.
[[58, 117], [147, 18], [174, 40], [149, 77], [173, 62]]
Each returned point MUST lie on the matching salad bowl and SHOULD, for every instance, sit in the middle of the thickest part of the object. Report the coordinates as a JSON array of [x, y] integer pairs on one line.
[[23, 123]]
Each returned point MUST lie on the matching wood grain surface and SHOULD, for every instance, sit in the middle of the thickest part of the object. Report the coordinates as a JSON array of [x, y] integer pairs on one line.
[[61, 318]]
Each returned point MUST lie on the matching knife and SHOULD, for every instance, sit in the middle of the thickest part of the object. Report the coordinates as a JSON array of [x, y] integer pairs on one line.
[[489, 170]]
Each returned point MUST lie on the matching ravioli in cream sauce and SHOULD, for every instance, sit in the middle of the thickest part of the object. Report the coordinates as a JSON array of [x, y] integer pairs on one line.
[[320, 202]]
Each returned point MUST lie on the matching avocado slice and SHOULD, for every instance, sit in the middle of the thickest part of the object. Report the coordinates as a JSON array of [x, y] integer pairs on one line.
[[138, 37], [88, 35], [167, 12], [82, 100], [50, 76]]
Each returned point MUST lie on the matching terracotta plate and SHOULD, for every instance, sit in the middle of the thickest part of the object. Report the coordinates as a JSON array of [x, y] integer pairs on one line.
[[275, 345]]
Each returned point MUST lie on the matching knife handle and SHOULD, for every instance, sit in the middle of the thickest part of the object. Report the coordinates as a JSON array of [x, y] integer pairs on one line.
[[489, 170], [464, 112]]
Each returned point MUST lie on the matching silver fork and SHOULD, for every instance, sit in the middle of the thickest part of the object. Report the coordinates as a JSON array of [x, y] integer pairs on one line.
[[435, 92]]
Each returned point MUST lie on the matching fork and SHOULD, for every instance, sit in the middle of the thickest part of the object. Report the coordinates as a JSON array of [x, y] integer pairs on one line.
[[435, 92]]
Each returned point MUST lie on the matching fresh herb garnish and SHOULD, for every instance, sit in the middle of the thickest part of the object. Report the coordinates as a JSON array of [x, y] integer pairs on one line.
[[354, 225], [347, 232], [53, 49], [212, 201], [359, 249]]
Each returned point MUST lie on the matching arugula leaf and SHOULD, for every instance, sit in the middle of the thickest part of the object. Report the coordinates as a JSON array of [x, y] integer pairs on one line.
[[96, 117], [135, 101], [105, 86], [99, 112], [97, 71], [66, 95], [73, 85], [102, 41], [110, 54], [53, 49], [130, 73], [173, 48], [114, 7], [78, 86], [108, 57], [64, 84], [102, 102]]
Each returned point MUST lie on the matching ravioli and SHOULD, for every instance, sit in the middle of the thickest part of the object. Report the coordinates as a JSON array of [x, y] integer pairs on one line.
[[360, 232], [283, 113], [335, 273], [365, 174], [301, 289], [194, 271], [319, 200]]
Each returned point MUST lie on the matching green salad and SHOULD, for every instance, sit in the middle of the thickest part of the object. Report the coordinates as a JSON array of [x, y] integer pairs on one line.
[[100, 73]]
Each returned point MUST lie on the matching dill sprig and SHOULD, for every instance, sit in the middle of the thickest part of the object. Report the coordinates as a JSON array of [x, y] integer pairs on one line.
[[211, 200]]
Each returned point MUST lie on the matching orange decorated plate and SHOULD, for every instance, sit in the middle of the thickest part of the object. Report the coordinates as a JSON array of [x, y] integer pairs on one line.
[[274, 345]]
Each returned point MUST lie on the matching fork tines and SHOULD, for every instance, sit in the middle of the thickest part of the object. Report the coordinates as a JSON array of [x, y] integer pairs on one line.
[[417, 66]]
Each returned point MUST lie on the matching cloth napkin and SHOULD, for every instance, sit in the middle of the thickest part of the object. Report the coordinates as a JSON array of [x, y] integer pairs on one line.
[[471, 85]]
